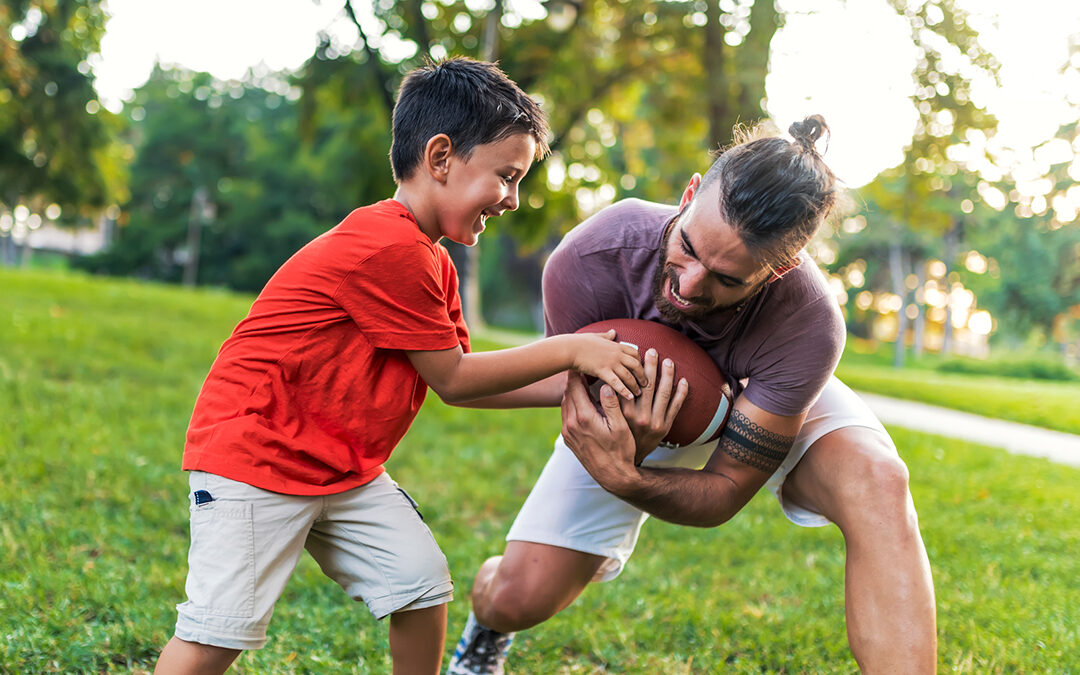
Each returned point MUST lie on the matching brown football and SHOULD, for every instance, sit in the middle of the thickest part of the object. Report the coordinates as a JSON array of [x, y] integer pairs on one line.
[[705, 411]]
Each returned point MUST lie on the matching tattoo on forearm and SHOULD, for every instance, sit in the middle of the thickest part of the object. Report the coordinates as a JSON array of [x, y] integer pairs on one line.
[[752, 444]]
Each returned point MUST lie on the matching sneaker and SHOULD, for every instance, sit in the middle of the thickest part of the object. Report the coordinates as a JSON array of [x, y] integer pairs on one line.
[[481, 651]]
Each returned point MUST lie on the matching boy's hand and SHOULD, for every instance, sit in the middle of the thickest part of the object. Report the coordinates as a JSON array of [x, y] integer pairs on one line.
[[617, 364]]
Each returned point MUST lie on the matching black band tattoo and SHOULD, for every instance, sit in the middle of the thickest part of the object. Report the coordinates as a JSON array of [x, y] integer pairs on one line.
[[754, 445]]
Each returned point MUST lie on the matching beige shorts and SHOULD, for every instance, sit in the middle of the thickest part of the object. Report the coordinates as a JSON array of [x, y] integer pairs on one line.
[[567, 508], [246, 543]]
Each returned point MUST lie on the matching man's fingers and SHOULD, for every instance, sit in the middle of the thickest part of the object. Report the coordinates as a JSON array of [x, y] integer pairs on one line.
[[612, 410], [681, 392], [662, 395], [650, 368]]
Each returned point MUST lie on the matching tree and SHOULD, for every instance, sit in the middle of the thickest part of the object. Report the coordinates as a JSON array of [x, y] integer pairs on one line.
[[58, 145]]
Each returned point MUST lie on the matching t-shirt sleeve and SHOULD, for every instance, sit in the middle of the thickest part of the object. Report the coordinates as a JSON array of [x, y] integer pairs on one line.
[[397, 298], [793, 365], [568, 303]]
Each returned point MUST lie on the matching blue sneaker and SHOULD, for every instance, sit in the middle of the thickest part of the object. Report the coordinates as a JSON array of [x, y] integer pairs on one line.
[[480, 651]]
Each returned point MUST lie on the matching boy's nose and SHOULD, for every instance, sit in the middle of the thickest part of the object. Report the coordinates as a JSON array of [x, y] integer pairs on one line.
[[511, 201]]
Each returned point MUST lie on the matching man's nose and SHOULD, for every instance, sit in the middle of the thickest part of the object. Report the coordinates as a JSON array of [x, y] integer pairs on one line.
[[692, 280]]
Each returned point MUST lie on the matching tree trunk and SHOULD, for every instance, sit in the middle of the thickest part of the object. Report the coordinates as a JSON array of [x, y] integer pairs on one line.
[[197, 216], [952, 243], [896, 270], [919, 342], [735, 76], [718, 85]]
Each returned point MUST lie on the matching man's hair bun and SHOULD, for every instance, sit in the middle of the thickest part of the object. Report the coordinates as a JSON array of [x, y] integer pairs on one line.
[[807, 132]]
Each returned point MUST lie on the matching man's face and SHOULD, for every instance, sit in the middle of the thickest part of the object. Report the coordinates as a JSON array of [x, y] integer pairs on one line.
[[704, 265]]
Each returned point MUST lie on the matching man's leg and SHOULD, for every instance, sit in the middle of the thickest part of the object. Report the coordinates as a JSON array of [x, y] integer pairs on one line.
[[529, 584], [854, 478]]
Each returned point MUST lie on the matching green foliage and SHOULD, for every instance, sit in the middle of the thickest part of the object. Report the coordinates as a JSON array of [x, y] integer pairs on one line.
[[57, 144], [97, 380], [269, 191]]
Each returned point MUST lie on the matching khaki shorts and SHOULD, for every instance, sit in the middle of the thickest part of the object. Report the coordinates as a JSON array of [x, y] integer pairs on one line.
[[567, 508], [246, 543]]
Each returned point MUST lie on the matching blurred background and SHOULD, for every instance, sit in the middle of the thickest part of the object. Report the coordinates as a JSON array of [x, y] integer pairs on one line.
[[202, 143]]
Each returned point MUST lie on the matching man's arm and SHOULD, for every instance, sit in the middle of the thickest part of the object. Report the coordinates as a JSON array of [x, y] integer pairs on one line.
[[753, 445]]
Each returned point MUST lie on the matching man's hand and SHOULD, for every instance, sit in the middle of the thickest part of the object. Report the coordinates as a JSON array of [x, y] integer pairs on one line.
[[652, 413], [602, 441]]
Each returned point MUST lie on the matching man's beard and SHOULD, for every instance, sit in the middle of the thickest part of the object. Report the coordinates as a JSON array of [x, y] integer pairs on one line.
[[674, 314]]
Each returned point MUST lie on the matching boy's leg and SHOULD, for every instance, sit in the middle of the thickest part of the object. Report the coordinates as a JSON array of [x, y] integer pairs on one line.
[[180, 657], [854, 477], [412, 646], [245, 543], [373, 542]]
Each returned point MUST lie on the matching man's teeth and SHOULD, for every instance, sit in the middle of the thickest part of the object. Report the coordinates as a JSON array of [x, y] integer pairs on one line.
[[679, 297]]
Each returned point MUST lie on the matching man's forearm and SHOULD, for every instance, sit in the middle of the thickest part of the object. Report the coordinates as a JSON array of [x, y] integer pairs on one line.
[[681, 496]]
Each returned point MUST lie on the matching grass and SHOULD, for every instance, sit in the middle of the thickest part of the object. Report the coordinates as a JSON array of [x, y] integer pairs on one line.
[[1042, 403], [97, 379]]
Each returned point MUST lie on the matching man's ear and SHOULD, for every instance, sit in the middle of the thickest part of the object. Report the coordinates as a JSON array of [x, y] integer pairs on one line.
[[436, 158], [688, 193]]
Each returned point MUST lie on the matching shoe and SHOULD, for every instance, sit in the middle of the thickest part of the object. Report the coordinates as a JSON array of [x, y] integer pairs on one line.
[[480, 651]]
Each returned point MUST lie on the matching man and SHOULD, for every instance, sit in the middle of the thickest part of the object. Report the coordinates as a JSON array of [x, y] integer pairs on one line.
[[727, 269]]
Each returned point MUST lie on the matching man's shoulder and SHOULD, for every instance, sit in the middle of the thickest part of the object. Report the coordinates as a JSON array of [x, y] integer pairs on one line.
[[629, 223]]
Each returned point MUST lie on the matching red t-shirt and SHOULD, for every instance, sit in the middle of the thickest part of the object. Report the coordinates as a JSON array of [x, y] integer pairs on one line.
[[312, 391]]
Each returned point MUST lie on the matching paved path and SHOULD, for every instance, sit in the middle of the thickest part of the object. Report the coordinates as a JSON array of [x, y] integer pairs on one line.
[[1021, 439]]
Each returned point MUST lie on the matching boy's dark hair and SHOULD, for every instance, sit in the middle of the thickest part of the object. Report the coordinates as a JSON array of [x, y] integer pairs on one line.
[[472, 102], [773, 192]]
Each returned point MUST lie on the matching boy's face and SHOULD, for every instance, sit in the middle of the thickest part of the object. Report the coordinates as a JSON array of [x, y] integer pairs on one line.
[[483, 186]]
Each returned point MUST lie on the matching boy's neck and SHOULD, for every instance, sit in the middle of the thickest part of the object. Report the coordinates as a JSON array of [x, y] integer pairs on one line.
[[412, 197]]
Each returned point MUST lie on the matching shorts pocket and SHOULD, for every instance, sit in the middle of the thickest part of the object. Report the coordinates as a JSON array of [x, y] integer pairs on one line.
[[221, 561]]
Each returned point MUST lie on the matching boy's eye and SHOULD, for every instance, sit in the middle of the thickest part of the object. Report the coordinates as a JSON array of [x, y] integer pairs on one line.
[[508, 179]]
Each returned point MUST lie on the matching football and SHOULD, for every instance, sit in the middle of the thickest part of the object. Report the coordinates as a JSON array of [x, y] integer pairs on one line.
[[708, 403]]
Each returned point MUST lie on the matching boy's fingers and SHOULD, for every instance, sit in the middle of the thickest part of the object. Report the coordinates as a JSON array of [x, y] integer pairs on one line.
[[617, 384]]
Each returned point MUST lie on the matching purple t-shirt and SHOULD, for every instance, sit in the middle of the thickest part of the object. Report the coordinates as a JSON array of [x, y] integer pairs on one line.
[[786, 340]]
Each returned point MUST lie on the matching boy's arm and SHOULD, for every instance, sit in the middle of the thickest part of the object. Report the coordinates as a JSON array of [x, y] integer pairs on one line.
[[457, 377], [547, 393]]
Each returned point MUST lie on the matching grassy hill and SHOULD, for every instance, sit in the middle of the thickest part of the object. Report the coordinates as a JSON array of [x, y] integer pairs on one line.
[[97, 380]]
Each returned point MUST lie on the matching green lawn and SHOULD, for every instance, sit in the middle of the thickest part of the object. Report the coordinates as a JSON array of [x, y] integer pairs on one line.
[[1043, 403], [97, 379]]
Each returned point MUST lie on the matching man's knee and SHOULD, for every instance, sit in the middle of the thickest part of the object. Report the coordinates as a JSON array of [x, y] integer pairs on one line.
[[512, 604], [867, 481], [529, 584]]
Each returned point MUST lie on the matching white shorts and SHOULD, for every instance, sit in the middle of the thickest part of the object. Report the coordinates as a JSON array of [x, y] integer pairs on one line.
[[245, 545], [567, 508]]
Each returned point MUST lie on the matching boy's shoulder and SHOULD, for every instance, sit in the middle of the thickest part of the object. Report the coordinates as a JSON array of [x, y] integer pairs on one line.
[[387, 220]]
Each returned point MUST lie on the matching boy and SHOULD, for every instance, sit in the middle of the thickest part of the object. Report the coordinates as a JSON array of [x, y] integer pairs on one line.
[[310, 394]]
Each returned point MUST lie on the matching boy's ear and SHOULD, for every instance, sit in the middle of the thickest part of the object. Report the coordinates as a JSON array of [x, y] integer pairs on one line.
[[437, 156], [688, 193]]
